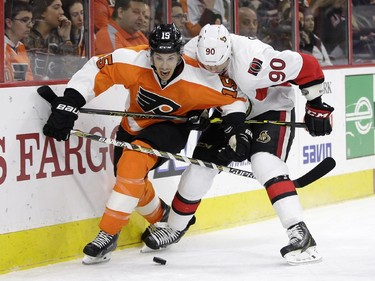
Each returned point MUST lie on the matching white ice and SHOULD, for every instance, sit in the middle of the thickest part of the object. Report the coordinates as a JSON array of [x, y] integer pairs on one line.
[[345, 234]]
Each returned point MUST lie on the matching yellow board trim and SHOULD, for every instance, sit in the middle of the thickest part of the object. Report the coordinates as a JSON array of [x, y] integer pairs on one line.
[[57, 243]]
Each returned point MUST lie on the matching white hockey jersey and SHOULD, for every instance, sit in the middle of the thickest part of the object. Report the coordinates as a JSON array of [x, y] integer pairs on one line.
[[254, 66]]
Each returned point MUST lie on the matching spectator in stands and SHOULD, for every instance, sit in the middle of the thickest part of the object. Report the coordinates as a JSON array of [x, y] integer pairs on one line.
[[363, 26], [49, 40], [202, 12], [73, 9], [331, 21], [146, 26], [179, 18], [311, 43], [124, 28], [275, 20], [18, 20], [103, 10], [248, 22]]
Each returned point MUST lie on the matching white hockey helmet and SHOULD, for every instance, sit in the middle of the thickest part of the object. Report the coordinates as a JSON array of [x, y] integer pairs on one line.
[[214, 45]]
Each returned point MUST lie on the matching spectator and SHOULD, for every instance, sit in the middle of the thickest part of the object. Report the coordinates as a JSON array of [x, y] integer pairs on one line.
[[311, 43], [49, 40], [202, 12], [146, 25], [276, 24], [363, 26], [18, 20], [179, 18], [248, 22], [124, 28], [73, 9], [331, 27], [103, 10]]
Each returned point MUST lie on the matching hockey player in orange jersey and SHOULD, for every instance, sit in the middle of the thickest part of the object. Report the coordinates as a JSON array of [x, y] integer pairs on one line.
[[160, 81]]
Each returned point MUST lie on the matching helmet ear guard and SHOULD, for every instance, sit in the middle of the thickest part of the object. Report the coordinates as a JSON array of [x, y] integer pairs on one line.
[[166, 39], [214, 45]]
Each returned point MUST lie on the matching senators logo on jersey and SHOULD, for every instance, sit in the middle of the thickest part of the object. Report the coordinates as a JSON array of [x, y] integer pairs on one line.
[[153, 103], [255, 66]]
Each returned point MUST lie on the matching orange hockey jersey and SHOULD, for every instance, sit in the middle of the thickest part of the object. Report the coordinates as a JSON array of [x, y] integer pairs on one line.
[[16, 62], [193, 89]]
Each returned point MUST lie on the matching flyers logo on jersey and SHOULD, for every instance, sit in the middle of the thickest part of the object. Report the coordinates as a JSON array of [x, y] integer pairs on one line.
[[255, 66], [156, 104]]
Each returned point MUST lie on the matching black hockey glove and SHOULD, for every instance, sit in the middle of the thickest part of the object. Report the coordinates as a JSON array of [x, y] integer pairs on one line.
[[238, 136], [317, 117], [64, 112], [198, 120]]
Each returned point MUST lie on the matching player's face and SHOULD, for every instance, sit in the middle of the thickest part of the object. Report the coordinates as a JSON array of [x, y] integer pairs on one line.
[[217, 68], [165, 64]]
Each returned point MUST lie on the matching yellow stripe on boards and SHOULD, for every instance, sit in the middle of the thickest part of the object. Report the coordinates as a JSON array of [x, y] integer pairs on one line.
[[52, 244], [57, 243]]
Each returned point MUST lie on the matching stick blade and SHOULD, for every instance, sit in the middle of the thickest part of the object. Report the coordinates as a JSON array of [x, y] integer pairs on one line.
[[316, 173]]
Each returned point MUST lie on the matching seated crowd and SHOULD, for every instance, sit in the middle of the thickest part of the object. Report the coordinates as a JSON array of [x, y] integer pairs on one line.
[[48, 39]]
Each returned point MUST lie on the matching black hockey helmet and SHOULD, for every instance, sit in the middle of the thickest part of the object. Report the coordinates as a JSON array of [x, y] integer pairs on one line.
[[166, 39]]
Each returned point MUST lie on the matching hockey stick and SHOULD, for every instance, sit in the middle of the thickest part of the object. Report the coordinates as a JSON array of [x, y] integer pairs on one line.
[[317, 172], [47, 93], [163, 154]]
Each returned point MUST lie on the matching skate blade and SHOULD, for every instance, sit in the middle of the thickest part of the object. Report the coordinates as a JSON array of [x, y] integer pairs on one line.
[[146, 249], [87, 260], [298, 257]]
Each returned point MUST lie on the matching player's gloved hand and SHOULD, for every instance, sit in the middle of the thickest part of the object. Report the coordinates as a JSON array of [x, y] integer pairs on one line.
[[198, 120], [317, 117], [238, 136], [238, 147], [64, 112]]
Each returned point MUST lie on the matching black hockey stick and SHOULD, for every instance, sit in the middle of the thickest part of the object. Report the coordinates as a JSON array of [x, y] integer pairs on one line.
[[317, 172], [48, 94]]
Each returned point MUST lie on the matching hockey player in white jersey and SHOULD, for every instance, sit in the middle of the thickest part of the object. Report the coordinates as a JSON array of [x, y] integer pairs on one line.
[[253, 65]]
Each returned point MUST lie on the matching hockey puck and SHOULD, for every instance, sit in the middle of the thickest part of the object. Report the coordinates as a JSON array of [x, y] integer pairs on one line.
[[159, 260]]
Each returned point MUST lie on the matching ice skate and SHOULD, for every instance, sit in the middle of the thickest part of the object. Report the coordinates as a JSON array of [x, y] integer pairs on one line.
[[162, 235], [302, 247], [100, 249], [164, 218]]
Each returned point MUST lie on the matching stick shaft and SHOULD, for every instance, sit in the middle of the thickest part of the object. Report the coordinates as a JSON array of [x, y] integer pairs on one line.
[[132, 114], [163, 154], [314, 174], [48, 94], [180, 118]]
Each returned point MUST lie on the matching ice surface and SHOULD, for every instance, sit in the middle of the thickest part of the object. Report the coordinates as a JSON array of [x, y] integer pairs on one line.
[[344, 233]]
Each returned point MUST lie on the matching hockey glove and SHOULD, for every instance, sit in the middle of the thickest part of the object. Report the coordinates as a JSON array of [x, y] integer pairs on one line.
[[238, 148], [198, 120], [238, 136], [317, 117], [64, 112]]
